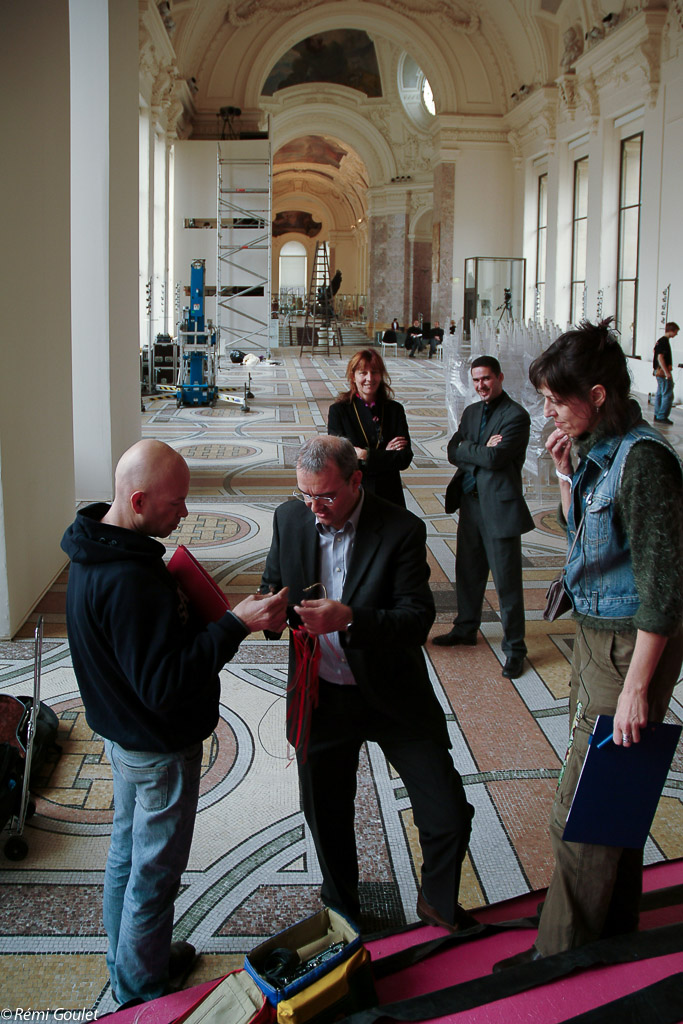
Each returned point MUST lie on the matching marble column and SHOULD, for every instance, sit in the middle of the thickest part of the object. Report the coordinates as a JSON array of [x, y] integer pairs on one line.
[[443, 235], [389, 258]]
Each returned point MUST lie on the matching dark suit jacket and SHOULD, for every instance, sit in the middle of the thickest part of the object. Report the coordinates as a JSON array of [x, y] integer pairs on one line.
[[498, 470], [382, 470], [387, 587]]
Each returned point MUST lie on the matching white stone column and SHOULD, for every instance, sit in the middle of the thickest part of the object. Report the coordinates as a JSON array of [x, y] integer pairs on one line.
[[36, 451], [104, 228]]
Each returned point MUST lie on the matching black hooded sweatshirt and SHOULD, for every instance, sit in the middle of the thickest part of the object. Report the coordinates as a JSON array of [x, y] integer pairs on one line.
[[147, 666]]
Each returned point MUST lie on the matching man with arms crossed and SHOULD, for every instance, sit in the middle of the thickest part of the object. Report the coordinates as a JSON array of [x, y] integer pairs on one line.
[[356, 570], [489, 448], [147, 668]]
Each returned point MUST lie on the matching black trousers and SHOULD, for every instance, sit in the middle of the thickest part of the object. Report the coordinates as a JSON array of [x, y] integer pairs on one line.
[[341, 723], [477, 552]]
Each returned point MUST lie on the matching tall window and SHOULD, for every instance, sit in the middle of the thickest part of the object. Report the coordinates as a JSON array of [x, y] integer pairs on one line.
[[629, 237], [293, 267], [541, 245], [579, 240]]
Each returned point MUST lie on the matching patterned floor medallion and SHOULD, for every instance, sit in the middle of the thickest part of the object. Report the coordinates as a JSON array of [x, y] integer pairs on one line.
[[253, 869]]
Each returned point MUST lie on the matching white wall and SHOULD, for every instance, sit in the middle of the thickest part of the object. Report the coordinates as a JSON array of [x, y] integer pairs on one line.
[[36, 451], [483, 208], [194, 196]]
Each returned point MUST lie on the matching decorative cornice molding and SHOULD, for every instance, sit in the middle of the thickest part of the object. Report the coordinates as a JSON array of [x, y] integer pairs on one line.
[[536, 119], [677, 12], [630, 54], [169, 97], [568, 90], [243, 12], [590, 98]]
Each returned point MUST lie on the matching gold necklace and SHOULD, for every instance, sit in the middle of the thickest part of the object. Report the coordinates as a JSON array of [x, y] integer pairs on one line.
[[360, 424]]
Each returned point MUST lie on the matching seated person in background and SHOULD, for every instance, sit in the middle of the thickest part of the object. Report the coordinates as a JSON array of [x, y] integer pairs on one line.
[[414, 338], [435, 338], [390, 335]]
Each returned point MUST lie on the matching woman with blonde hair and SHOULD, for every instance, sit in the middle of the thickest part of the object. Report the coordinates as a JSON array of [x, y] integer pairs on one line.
[[375, 425]]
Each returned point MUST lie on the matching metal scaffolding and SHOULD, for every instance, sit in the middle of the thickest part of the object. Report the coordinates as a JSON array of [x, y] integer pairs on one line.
[[244, 233]]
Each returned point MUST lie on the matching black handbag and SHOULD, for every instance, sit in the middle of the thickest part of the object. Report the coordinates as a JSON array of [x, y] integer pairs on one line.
[[557, 600]]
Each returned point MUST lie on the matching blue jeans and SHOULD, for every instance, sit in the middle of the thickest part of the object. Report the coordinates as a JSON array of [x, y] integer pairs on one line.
[[664, 397], [155, 805]]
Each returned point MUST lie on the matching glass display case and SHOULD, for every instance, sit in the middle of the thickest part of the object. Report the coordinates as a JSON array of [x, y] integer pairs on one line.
[[494, 287]]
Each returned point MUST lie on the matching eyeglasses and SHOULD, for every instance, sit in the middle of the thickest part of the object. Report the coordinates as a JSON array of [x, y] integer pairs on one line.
[[310, 498]]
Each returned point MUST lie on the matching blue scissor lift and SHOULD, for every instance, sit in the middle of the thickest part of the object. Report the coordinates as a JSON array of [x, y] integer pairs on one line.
[[197, 347]]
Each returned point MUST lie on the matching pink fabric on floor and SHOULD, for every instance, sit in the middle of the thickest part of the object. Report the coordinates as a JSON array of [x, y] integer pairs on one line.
[[548, 1004], [167, 1008]]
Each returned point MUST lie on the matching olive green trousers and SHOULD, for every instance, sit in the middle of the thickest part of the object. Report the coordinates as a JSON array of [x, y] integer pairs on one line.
[[595, 890]]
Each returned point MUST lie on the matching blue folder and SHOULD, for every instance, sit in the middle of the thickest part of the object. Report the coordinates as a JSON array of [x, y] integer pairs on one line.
[[619, 787]]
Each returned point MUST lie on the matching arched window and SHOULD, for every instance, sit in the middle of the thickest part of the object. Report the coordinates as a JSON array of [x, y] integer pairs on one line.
[[293, 265], [428, 97], [415, 92], [293, 277]]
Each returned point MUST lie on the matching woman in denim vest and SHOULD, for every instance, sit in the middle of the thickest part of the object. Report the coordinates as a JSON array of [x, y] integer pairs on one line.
[[625, 580]]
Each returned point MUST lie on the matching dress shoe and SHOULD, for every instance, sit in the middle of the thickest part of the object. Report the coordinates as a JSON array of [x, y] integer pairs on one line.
[[181, 960], [527, 956], [514, 666], [428, 915], [453, 638]]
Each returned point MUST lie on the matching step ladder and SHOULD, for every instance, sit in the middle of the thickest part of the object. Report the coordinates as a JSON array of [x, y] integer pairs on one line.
[[321, 326]]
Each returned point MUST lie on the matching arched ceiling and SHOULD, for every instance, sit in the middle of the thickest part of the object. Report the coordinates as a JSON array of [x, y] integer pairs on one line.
[[322, 169], [334, 139], [230, 46]]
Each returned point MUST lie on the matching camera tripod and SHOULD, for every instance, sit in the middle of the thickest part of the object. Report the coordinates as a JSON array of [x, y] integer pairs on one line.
[[505, 306]]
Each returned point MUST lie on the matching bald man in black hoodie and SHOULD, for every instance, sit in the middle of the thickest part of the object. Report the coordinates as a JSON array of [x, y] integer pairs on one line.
[[147, 667]]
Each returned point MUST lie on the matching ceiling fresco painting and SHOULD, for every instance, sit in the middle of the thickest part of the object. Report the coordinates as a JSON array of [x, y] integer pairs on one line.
[[343, 56], [297, 222], [310, 149]]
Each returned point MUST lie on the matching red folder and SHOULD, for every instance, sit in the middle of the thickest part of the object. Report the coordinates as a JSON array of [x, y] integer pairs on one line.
[[201, 588]]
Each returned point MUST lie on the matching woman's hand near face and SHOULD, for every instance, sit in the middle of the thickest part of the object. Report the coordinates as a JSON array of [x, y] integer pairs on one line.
[[559, 445]]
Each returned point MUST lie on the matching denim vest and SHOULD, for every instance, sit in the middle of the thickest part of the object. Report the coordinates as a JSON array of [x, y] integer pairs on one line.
[[599, 573]]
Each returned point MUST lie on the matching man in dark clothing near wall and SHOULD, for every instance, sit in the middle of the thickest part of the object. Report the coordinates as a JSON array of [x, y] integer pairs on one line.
[[489, 448], [435, 338], [147, 667], [662, 366], [414, 338]]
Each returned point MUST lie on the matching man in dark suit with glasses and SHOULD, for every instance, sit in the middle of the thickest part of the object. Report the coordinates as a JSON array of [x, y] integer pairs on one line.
[[357, 573]]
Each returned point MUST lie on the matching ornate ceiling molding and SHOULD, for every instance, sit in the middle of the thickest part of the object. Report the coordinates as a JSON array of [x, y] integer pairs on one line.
[[629, 56], [535, 120], [243, 12], [162, 85]]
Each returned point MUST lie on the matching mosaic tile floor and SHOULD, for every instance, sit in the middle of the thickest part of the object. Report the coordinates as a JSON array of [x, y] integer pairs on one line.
[[253, 870]]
